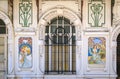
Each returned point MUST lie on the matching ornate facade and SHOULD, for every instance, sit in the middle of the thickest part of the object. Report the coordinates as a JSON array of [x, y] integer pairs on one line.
[[59, 39]]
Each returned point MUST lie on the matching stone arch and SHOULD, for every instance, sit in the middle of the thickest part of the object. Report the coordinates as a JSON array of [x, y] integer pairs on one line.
[[59, 11], [115, 33], [8, 24], [45, 19]]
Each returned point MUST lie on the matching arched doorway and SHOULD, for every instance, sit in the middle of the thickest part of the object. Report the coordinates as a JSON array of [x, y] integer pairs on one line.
[[118, 56], [60, 47], [3, 49]]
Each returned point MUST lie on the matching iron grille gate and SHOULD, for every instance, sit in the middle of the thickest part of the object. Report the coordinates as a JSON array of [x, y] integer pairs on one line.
[[60, 47]]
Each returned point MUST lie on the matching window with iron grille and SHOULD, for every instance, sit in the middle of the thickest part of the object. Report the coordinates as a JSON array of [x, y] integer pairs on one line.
[[60, 47]]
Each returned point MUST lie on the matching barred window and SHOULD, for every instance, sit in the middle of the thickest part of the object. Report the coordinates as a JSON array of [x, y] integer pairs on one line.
[[60, 47]]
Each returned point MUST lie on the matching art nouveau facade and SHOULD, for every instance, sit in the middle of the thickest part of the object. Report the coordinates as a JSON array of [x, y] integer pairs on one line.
[[59, 39]]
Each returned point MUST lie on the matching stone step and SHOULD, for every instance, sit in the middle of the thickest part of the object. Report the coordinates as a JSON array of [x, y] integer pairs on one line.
[[60, 77]]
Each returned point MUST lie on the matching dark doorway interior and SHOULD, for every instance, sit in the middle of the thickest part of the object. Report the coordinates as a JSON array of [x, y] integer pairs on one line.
[[118, 56]]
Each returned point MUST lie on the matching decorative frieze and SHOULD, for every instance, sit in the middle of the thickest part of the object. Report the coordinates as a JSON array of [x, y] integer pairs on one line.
[[96, 13], [25, 13]]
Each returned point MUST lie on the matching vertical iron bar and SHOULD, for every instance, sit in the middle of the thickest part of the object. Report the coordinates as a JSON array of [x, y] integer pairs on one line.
[[64, 57], [51, 56], [71, 48], [61, 59], [54, 59], [60, 56]]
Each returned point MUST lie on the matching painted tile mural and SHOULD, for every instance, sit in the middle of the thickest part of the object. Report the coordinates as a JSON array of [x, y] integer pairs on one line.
[[96, 50], [25, 52]]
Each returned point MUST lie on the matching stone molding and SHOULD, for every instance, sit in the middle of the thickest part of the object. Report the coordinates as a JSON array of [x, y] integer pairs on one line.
[[10, 58], [59, 11], [115, 32]]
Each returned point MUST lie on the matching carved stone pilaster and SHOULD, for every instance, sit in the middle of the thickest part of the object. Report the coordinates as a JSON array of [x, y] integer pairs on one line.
[[114, 46], [10, 59], [41, 57], [10, 53], [79, 68]]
